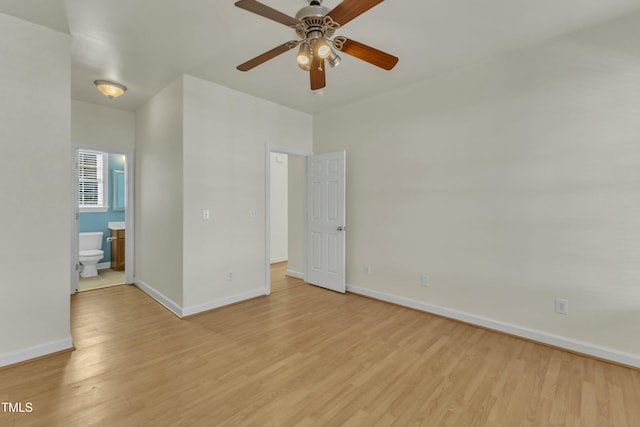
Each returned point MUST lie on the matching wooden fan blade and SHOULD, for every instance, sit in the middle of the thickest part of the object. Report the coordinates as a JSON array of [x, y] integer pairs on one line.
[[264, 10], [316, 73], [350, 9], [369, 54], [260, 59]]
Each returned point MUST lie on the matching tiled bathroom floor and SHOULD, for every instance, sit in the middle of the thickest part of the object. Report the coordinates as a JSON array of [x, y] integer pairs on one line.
[[106, 278]]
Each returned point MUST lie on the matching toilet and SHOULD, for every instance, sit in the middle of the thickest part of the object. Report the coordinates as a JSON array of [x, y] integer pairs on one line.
[[90, 246]]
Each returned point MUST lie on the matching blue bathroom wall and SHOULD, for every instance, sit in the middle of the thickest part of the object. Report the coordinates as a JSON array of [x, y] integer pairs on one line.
[[98, 221]]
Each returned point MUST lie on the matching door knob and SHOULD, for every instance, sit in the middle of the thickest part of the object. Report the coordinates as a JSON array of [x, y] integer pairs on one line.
[[341, 228]]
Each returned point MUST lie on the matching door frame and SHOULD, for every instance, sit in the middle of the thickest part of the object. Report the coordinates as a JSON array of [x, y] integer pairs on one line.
[[128, 214], [292, 151]]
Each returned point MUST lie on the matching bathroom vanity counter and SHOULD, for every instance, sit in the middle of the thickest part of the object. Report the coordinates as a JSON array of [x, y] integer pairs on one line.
[[117, 249]]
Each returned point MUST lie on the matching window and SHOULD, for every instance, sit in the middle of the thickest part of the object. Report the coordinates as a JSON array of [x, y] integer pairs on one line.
[[92, 181]]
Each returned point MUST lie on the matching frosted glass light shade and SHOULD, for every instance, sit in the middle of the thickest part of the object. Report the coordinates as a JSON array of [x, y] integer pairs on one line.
[[110, 89], [322, 48], [304, 55]]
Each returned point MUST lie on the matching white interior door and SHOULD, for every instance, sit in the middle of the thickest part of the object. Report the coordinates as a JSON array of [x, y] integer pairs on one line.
[[325, 243]]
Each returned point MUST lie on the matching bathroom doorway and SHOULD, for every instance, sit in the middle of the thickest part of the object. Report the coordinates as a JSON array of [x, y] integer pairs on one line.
[[285, 169], [102, 237]]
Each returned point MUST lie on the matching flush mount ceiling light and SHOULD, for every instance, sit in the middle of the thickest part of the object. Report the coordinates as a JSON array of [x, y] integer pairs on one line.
[[110, 89], [315, 25]]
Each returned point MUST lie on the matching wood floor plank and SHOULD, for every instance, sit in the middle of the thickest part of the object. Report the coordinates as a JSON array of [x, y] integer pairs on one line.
[[305, 356]]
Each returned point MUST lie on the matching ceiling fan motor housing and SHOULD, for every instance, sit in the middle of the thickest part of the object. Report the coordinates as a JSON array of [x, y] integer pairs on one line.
[[313, 23]]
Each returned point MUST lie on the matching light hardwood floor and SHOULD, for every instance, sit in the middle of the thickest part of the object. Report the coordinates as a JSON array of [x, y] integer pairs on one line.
[[306, 357], [279, 279]]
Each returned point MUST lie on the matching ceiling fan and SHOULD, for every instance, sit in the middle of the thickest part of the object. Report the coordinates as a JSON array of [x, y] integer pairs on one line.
[[315, 25]]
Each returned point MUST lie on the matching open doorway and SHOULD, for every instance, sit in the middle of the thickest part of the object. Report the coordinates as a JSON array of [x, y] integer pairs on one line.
[[287, 221], [102, 236], [285, 218]]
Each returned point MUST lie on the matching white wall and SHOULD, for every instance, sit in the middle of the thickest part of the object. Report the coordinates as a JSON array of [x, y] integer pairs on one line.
[[35, 208], [102, 127], [509, 183], [278, 192], [295, 217], [225, 137], [158, 196]]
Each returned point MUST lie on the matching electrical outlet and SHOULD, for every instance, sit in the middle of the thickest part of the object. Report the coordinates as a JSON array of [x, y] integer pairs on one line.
[[562, 306], [206, 214], [230, 276], [424, 280], [366, 270], [253, 213]]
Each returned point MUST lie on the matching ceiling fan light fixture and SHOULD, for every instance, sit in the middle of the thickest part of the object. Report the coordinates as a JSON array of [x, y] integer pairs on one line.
[[110, 89], [304, 55], [334, 59], [322, 48], [305, 67]]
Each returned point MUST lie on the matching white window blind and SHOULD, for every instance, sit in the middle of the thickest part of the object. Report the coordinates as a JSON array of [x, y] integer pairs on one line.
[[91, 185]]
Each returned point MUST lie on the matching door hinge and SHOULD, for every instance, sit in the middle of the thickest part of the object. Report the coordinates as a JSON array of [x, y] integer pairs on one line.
[[77, 216], [77, 266]]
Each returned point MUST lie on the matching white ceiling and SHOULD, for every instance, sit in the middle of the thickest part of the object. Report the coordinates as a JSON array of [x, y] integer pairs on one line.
[[146, 44]]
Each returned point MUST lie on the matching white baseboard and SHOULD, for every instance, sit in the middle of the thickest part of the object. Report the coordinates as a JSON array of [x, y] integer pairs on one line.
[[181, 312], [295, 274], [35, 351], [531, 334], [280, 259], [171, 305], [199, 308]]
